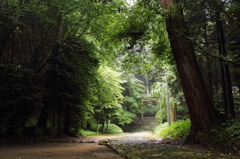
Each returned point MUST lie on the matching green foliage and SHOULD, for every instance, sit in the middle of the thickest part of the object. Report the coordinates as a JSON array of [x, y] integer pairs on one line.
[[112, 129], [18, 97], [179, 129], [218, 101], [133, 93], [64, 41], [158, 89], [157, 78], [48, 38], [227, 135], [229, 132], [83, 132], [126, 117], [68, 78], [233, 129], [151, 109], [92, 124], [236, 98], [160, 127], [31, 122], [107, 94]]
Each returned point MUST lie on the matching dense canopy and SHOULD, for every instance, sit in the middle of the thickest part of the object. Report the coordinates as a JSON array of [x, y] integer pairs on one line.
[[71, 65]]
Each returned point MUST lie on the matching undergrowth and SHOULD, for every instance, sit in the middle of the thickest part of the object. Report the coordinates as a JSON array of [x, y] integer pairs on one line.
[[178, 129], [87, 132], [112, 129], [228, 136]]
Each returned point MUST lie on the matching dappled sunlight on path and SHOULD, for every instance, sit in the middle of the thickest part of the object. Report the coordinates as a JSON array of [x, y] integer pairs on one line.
[[146, 145], [137, 145], [125, 136]]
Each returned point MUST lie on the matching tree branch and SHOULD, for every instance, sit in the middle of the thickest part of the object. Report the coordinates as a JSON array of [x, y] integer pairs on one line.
[[206, 52]]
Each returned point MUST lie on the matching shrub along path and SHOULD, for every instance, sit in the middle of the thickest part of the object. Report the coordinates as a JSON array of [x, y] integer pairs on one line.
[[142, 145]]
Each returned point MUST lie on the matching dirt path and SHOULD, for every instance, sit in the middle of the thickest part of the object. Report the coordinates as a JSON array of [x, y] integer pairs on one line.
[[58, 151], [68, 148], [142, 145]]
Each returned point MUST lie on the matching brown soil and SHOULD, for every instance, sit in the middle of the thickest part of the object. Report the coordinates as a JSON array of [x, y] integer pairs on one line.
[[58, 151], [132, 145], [60, 148]]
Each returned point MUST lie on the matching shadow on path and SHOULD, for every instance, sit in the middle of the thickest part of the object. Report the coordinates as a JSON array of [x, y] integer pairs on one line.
[[143, 145], [58, 151], [146, 145]]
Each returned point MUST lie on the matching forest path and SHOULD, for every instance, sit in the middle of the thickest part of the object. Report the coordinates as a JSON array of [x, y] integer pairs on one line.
[[58, 151], [65, 148], [142, 145], [146, 145]]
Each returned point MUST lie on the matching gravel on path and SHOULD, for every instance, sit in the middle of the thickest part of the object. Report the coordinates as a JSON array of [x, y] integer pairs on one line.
[[147, 146]]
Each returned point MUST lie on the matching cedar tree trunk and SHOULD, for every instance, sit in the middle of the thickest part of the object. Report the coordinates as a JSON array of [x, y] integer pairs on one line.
[[200, 109], [226, 79]]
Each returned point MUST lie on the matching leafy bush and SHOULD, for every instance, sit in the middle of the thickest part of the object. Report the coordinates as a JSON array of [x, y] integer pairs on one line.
[[112, 129], [226, 137], [31, 122], [160, 127], [18, 98], [233, 129], [230, 132], [179, 129], [83, 132], [94, 125], [126, 117]]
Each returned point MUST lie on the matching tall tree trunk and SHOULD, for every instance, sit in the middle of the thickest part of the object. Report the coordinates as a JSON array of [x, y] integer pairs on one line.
[[224, 92], [67, 122], [42, 121], [173, 113], [99, 121], [209, 66], [200, 109], [226, 79]]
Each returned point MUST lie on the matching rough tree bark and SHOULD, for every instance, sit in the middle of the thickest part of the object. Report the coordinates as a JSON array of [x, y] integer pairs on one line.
[[200, 109], [225, 73]]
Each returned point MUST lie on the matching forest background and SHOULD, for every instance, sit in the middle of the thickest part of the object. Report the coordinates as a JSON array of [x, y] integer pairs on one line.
[[68, 65]]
